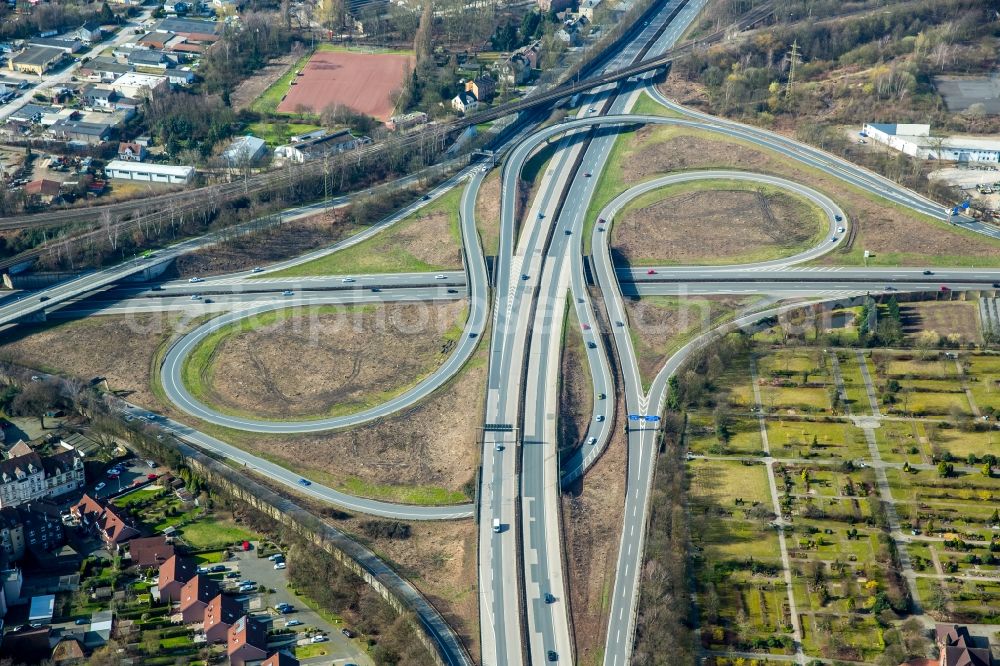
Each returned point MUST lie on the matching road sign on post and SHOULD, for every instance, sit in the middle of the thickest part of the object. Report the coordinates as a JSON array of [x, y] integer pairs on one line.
[[651, 418], [634, 417]]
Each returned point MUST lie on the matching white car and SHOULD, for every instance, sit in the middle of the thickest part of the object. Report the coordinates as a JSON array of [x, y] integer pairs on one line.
[[600, 418], [591, 440], [195, 297], [347, 279], [317, 639], [840, 230], [256, 269], [196, 279], [293, 623], [440, 277], [280, 565], [99, 487], [287, 292]]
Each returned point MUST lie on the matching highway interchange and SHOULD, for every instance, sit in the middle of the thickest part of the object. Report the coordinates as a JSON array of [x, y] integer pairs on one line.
[[540, 270]]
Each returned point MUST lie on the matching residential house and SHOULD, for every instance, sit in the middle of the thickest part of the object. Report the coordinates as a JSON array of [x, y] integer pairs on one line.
[[407, 120], [131, 152], [221, 613], [42, 526], [30, 113], [587, 8], [515, 69], [482, 87], [244, 151], [280, 659], [68, 652], [99, 97], [127, 3], [104, 69], [64, 471], [464, 102], [958, 648], [174, 573], [104, 521], [554, 5], [89, 33], [52, 117], [150, 552], [572, 30], [22, 479], [195, 597], [247, 641], [36, 60], [317, 146], [150, 59]]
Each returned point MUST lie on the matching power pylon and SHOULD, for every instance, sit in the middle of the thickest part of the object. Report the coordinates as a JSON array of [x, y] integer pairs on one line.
[[794, 57]]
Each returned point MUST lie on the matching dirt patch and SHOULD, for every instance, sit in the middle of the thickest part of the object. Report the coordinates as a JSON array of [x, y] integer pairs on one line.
[[319, 361], [715, 226], [252, 88], [117, 348], [488, 213], [891, 234], [285, 241], [944, 318], [363, 82], [592, 520], [430, 240]]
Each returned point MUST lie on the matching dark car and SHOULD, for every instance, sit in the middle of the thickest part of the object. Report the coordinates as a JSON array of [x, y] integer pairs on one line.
[[305, 482], [453, 291], [376, 289], [426, 197], [592, 345], [549, 598], [838, 218], [348, 633], [928, 272], [996, 285], [552, 656], [233, 574], [43, 298], [218, 567]]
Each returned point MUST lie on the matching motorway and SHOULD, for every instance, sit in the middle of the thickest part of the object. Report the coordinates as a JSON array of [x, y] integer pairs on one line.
[[540, 271]]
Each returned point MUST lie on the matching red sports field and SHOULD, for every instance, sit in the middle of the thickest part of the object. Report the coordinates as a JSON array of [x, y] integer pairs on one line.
[[360, 81]]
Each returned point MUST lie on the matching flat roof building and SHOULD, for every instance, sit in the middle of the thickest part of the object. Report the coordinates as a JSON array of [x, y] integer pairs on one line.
[[151, 173], [916, 140], [244, 150]]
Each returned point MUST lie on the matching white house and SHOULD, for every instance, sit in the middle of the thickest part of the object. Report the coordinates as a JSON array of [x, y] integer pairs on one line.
[[244, 150], [152, 173], [916, 141], [314, 145], [464, 102]]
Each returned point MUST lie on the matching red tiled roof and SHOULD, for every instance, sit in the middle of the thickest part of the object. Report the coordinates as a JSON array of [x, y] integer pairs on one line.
[[150, 551], [113, 528]]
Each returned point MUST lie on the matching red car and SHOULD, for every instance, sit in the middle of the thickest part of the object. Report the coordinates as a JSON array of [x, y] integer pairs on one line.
[[151, 477], [944, 288], [586, 327], [650, 272]]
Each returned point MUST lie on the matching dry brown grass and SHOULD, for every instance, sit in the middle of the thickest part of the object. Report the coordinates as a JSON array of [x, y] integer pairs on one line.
[[714, 226], [943, 317], [576, 394], [278, 243], [252, 88], [891, 234], [318, 362], [592, 519], [117, 348], [488, 212]]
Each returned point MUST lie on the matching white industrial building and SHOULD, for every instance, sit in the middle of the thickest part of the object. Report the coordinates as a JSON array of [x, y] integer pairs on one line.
[[152, 173], [916, 141], [140, 86]]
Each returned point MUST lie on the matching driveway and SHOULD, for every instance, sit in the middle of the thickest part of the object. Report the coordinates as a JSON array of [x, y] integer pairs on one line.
[[340, 649]]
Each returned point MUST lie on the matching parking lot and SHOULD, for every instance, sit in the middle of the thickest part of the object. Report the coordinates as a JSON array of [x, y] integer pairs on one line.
[[339, 649]]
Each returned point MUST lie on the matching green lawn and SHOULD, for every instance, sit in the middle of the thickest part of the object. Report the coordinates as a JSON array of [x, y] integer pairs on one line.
[[279, 133], [387, 252], [269, 100], [423, 495], [215, 532], [311, 650], [138, 496]]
